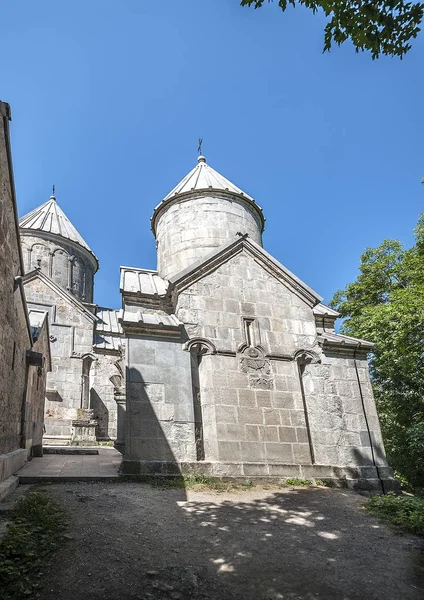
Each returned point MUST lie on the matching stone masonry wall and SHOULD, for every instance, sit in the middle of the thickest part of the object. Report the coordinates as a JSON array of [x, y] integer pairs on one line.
[[69, 266], [35, 398], [72, 337], [253, 411], [339, 418], [14, 335], [215, 306], [190, 229], [242, 424], [159, 401], [102, 399], [247, 417]]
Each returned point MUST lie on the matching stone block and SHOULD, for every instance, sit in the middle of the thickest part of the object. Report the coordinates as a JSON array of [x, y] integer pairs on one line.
[[248, 309], [283, 470], [252, 451], [255, 469], [287, 434], [271, 416], [237, 380], [232, 306], [364, 439], [235, 432], [277, 452], [263, 399], [247, 398], [302, 453], [221, 431], [297, 418], [302, 435], [226, 414], [282, 400], [233, 469], [229, 451], [269, 433], [252, 433], [251, 416]]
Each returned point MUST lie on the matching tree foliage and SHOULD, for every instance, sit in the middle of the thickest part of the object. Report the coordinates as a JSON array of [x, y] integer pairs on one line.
[[379, 26], [386, 306]]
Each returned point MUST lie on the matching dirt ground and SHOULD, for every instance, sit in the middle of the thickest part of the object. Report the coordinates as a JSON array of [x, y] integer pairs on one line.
[[131, 541]]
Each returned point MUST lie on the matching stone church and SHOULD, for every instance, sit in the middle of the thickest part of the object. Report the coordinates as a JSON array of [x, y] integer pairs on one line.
[[220, 362]]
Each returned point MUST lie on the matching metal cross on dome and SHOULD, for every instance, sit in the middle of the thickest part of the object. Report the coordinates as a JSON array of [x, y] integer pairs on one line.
[[199, 149]]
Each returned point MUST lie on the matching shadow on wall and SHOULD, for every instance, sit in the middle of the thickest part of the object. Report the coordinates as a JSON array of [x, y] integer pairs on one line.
[[101, 414], [53, 396], [150, 424]]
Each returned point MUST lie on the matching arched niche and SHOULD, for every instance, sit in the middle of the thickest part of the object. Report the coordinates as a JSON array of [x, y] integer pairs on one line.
[[87, 361], [200, 346], [60, 267], [40, 258]]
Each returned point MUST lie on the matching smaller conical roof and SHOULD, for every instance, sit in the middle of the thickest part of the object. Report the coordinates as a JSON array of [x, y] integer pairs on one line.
[[50, 218], [203, 177]]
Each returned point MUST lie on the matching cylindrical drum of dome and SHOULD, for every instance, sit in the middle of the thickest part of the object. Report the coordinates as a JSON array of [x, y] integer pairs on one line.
[[202, 213]]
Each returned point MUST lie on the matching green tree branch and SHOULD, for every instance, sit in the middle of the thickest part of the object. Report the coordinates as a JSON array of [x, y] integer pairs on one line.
[[380, 27]]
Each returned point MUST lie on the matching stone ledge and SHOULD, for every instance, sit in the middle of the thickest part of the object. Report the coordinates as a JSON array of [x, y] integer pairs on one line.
[[355, 478], [8, 486], [12, 462]]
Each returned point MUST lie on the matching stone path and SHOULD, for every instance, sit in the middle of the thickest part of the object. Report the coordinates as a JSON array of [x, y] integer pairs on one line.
[[72, 467]]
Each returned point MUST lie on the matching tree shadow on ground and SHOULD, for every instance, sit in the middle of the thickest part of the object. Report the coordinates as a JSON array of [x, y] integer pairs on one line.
[[135, 541]]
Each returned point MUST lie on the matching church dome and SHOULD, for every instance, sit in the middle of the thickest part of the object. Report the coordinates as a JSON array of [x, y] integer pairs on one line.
[[204, 211], [52, 244]]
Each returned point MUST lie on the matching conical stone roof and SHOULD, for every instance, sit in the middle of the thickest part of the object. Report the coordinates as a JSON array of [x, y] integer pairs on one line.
[[50, 218], [204, 178]]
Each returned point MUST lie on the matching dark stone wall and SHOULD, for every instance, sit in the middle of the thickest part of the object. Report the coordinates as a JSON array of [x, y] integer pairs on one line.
[[36, 394], [14, 334]]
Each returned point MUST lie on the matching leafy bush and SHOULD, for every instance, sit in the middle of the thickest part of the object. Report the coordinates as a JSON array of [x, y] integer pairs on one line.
[[406, 512], [36, 530], [385, 305], [297, 481]]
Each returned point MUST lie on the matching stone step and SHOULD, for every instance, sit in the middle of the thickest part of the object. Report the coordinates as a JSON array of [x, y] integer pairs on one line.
[[31, 479], [69, 450], [56, 440]]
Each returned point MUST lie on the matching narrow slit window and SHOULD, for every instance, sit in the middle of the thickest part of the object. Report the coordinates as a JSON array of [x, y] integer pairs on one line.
[[249, 326]]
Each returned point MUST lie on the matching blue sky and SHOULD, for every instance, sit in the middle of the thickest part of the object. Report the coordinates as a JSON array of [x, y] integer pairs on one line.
[[109, 98]]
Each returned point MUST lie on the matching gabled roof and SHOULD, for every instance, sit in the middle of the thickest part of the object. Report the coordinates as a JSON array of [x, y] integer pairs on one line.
[[204, 178], [38, 274], [225, 252], [50, 218]]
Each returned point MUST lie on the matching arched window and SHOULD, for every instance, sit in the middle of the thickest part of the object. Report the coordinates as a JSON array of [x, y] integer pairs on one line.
[[60, 266]]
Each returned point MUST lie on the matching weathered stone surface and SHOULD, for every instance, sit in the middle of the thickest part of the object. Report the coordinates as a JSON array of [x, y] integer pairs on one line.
[[70, 266], [22, 375]]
